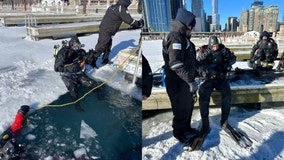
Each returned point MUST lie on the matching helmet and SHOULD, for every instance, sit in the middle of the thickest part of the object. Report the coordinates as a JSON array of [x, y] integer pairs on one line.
[[74, 40], [213, 40]]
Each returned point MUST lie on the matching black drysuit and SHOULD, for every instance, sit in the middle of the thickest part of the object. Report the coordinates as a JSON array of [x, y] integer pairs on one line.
[[180, 66], [213, 68], [68, 62], [263, 54]]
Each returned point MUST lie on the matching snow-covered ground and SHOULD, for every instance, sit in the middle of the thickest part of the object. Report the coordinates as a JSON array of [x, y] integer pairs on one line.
[[265, 127]]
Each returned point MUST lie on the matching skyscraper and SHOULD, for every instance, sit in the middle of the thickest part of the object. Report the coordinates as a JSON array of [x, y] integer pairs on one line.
[[215, 26], [198, 10]]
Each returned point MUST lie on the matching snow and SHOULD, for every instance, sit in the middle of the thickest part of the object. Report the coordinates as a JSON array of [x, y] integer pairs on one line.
[[264, 127]]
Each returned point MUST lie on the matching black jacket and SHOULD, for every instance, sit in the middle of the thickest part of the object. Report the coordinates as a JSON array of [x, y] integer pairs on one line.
[[115, 15], [179, 54]]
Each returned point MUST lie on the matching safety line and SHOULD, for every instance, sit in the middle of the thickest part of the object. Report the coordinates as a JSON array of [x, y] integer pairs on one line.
[[120, 67]]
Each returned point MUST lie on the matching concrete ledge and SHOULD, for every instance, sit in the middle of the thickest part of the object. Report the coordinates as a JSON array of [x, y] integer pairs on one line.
[[241, 94]]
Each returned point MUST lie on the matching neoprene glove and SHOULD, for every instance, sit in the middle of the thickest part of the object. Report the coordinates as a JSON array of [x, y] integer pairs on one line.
[[193, 86]]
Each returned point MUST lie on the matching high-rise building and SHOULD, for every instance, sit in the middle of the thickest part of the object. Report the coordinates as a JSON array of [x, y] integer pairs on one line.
[[244, 20], [270, 16], [232, 24], [208, 23], [215, 26], [256, 20], [259, 18], [197, 9]]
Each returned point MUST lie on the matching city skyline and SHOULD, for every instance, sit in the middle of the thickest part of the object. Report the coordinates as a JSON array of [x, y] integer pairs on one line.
[[228, 9]]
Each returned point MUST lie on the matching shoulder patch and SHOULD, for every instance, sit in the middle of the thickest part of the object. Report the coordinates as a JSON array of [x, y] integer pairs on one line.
[[177, 46]]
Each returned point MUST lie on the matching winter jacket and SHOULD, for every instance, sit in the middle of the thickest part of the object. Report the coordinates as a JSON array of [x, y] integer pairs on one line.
[[179, 54], [115, 15]]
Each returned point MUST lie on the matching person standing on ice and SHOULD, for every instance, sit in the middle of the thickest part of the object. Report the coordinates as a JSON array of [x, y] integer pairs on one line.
[[114, 16], [180, 67], [70, 62], [214, 62], [263, 53]]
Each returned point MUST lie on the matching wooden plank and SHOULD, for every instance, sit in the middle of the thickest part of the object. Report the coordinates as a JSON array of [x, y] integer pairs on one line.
[[49, 20], [65, 30], [241, 94], [127, 59]]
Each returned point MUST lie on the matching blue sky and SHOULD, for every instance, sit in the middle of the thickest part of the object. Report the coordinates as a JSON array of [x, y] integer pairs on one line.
[[232, 8]]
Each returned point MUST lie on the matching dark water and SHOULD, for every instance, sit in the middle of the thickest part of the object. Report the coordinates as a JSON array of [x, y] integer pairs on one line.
[[109, 128]]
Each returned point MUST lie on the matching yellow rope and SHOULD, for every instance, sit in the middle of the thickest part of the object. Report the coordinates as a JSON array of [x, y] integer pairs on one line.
[[120, 67]]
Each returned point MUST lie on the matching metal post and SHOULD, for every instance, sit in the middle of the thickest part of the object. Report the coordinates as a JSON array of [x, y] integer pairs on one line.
[[137, 65]]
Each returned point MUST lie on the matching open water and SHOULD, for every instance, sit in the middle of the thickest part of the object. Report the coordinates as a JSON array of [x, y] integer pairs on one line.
[[109, 128]]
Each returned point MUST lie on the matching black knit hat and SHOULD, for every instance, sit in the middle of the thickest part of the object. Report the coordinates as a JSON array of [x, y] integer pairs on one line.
[[265, 33], [185, 17]]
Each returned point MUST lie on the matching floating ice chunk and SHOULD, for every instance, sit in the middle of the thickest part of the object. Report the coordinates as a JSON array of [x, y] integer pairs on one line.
[[86, 131], [30, 137], [80, 152]]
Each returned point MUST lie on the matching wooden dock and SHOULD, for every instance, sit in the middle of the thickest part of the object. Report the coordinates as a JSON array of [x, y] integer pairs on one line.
[[268, 88], [240, 95], [21, 19], [64, 30]]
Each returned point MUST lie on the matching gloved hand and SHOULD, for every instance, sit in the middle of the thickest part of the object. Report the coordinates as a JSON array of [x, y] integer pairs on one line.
[[250, 64], [137, 24], [141, 23], [227, 67], [193, 86], [73, 68], [92, 58]]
